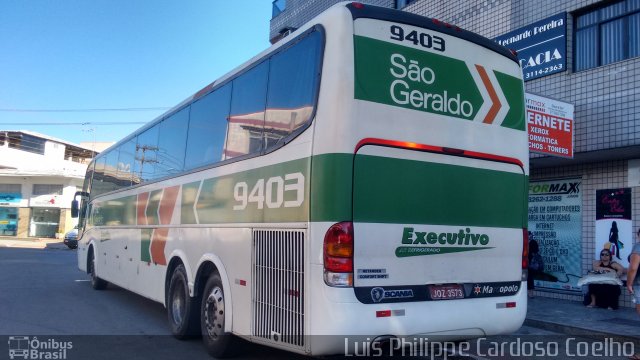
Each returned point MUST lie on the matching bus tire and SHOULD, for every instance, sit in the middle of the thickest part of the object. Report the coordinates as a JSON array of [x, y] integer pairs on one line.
[[219, 344], [182, 309], [96, 282]]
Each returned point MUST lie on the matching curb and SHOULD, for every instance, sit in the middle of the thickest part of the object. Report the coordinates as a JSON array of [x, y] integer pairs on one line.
[[582, 332], [18, 244]]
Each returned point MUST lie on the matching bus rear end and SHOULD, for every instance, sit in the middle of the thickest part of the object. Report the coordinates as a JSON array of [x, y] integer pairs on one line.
[[432, 238]]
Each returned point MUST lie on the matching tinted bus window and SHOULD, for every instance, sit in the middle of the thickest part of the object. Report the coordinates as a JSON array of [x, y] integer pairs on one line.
[[111, 170], [146, 152], [293, 83], [125, 162], [172, 141], [207, 128], [246, 121]]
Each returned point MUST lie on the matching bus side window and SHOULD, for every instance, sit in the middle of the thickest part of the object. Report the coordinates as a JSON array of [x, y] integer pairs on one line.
[[246, 122], [97, 185], [125, 162], [293, 84], [207, 128], [172, 140], [146, 152]]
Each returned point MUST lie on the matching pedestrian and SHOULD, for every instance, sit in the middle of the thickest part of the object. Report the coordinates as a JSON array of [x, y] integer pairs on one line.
[[536, 264], [633, 281]]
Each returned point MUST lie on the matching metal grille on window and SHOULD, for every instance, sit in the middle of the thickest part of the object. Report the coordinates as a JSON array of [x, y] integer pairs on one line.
[[278, 293]]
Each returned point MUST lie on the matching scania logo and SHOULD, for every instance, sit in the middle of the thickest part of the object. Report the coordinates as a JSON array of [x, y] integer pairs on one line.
[[378, 294]]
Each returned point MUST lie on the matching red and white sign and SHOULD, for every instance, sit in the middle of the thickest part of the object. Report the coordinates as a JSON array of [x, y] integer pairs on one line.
[[550, 124]]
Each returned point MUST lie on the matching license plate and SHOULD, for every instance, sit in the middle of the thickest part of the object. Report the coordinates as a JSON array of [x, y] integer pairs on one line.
[[446, 292]]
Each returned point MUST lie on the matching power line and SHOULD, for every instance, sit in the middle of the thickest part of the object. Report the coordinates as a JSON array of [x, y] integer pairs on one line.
[[75, 123], [86, 110]]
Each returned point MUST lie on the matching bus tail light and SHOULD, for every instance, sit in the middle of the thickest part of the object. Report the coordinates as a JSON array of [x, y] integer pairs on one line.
[[338, 255]]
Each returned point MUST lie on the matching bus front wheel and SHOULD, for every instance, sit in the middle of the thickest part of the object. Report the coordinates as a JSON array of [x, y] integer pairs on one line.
[[96, 282], [182, 309], [219, 343]]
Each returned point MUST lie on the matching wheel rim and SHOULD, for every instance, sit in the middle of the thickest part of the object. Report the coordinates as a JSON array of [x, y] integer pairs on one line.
[[214, 313], [178, 304]]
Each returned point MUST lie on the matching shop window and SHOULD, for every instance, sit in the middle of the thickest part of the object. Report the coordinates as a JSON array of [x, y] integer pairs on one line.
[[47, 189], [27, 143], [278, 6], [44, 222], [8, 221], [400, 4], [607, 34]]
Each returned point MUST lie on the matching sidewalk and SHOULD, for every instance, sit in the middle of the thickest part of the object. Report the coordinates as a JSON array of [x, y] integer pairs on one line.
[[32, 243], [573, 318]]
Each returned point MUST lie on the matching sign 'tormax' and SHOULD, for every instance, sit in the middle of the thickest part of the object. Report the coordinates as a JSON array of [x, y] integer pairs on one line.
[[541, 46]]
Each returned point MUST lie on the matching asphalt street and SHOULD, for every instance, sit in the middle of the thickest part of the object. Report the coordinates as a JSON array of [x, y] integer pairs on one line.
[[45, 299]]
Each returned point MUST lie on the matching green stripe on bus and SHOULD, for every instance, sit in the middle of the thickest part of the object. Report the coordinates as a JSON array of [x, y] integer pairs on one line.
[[189, 197], [145, 244], [413, 192], [152, 207], [514, 93], [380, 190], [115, 212], [331, 181], [263, 195]]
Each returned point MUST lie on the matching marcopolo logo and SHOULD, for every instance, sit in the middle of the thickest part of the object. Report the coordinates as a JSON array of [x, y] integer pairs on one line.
[[24, 347], [378, 294], [418, 243]]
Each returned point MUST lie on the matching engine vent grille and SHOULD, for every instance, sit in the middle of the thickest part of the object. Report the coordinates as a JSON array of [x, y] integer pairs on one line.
[[278, 286]]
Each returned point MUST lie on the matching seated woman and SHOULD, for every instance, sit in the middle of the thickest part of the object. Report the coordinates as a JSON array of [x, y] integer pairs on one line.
[[604, 295]]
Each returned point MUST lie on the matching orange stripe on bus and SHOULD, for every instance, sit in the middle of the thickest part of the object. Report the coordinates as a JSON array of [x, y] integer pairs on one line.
[[158, 243], [495, 107], [165, 212], [167, 203], [141, 205]]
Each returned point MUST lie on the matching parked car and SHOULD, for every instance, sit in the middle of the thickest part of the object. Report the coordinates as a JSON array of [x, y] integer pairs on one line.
[[71, 238]]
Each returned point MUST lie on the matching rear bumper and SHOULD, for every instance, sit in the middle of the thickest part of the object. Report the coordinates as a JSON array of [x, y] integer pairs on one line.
[[339, 323]]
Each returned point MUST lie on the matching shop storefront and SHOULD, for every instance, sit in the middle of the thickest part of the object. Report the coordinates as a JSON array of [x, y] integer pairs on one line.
[[8, 221], [44, 222]]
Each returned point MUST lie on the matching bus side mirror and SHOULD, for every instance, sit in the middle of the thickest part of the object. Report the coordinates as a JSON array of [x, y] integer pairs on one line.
[[75, 205], [75, 210]]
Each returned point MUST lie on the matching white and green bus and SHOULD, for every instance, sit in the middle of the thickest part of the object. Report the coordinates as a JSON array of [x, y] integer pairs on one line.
[[365, 176]]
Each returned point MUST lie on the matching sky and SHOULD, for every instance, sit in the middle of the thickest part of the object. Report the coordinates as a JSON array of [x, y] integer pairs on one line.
[[89, 56]]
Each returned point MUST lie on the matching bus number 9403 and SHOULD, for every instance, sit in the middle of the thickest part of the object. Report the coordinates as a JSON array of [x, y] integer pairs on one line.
[[271, 192], [417, 38]]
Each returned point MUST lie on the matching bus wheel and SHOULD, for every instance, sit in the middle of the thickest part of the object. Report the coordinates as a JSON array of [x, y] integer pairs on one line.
[[182, 309], [219, 343], [96, 282]]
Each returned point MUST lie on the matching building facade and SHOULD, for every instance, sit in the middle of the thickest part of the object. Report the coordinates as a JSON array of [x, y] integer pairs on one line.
[[598, 73], [39, 176]]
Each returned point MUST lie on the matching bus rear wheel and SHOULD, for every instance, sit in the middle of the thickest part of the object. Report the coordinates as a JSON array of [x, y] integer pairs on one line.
[[96, 282], [182, 309], [219, 344]]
